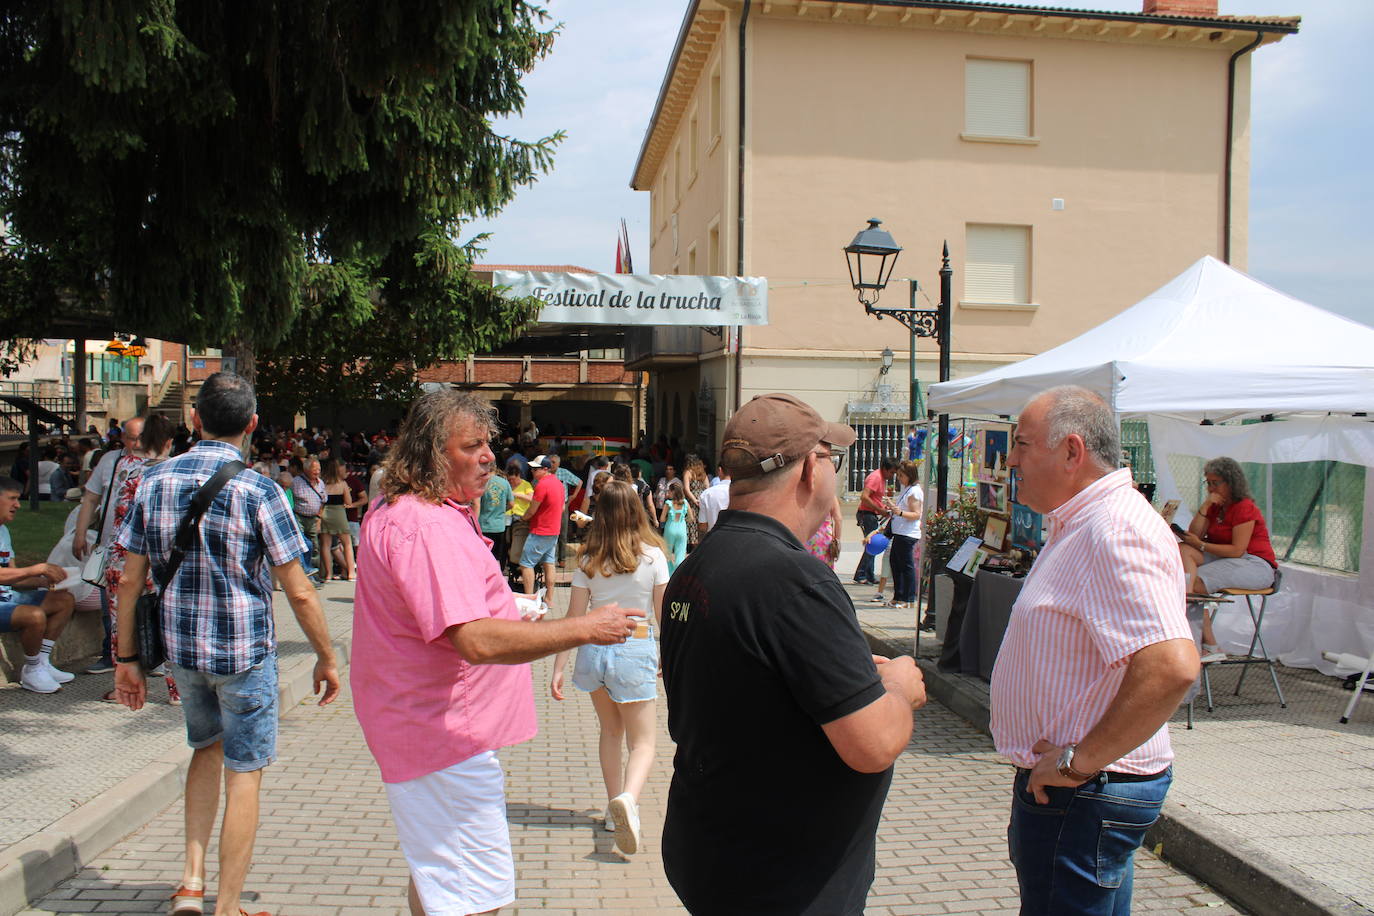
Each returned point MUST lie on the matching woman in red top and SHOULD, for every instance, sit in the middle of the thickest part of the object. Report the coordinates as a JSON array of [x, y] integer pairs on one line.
[[1227, 543]]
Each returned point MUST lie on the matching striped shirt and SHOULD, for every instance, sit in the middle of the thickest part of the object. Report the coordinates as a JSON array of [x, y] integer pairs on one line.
[[217, 610], [1108, 583]]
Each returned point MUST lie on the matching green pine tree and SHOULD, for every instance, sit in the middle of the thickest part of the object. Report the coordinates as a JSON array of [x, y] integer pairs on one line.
[[285, 178]]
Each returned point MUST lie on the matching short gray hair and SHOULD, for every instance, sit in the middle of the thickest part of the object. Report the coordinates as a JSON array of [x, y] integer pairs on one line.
[[1076, 410]]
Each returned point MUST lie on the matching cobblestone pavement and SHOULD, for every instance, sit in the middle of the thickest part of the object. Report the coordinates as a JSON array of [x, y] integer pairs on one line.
[[1292, 781], [59, 751], [327, 847]]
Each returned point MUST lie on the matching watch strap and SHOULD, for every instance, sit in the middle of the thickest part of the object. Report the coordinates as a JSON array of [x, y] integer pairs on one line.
[[1065, 765]]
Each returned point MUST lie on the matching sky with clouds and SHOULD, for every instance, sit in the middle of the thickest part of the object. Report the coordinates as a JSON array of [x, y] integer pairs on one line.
[[1312, 112]]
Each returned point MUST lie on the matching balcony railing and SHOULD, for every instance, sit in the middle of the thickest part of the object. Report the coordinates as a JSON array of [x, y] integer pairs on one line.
[[646, 348]]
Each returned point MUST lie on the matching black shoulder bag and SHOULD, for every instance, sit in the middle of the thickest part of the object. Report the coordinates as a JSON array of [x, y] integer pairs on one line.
[[152, 651]]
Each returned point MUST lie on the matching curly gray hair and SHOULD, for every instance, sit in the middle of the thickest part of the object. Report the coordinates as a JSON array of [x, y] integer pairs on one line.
[[1229, 470]]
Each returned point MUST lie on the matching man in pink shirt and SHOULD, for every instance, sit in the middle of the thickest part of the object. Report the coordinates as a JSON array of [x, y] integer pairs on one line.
[[1096, 657], [871, 513], [440, 674], [545, 515]]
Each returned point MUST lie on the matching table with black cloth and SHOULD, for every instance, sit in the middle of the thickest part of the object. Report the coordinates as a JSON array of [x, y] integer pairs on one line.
[[973, 637]]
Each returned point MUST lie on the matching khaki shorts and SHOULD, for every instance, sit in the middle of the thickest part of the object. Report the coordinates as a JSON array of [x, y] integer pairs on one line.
[[310, 525]]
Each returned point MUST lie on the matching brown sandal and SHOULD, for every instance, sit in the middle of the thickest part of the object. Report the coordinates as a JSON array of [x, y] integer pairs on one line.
[[188, 901]]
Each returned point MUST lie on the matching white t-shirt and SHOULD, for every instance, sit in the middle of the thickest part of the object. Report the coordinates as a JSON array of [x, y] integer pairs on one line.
[[713, 500], [45, 470], [908, 527], [629, 590]]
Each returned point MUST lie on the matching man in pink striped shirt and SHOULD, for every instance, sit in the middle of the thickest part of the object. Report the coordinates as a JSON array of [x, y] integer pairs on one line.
[[1097, 656]]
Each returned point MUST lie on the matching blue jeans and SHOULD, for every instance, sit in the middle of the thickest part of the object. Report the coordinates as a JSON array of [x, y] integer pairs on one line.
[[903, 560], [1074, 855], [868, 522]]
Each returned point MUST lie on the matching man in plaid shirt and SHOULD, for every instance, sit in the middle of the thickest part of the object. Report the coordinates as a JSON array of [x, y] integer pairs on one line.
[[218, 627]]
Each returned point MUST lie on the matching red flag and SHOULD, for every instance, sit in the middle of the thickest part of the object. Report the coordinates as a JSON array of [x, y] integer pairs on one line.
[[619, 255]]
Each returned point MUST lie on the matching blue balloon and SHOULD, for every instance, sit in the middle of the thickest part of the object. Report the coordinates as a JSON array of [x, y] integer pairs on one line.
[[876, 545]]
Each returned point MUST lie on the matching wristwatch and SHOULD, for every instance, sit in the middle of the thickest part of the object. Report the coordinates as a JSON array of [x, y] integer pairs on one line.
[[1065, 765], [126, 659]]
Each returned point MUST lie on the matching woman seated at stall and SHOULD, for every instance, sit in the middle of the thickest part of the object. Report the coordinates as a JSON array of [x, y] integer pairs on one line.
[[1227, 544]]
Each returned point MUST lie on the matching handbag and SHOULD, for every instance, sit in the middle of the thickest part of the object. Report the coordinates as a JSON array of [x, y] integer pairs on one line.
[[98, 557], [152, 649]]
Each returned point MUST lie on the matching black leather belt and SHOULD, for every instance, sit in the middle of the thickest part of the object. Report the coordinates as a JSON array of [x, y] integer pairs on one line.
[[1111, 776]]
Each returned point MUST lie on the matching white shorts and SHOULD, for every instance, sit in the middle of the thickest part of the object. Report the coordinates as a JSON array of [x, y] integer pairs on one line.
[[452, 827]]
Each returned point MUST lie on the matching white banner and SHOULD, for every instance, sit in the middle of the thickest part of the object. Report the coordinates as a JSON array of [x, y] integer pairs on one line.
[[640, 299]]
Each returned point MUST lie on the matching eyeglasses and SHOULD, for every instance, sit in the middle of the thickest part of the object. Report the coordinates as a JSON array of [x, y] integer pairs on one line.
[[836, 458], [1214, 483]]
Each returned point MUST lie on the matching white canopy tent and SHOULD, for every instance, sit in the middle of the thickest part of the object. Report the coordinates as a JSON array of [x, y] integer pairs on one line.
[[1212, 343], [1217, 344]]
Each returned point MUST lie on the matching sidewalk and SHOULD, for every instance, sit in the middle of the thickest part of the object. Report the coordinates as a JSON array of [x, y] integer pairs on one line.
[[327, 848], [1273, 807], [77, 774]]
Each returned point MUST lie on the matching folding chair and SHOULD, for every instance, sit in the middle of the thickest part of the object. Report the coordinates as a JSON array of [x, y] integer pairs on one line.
[[1256, 618], [1352, 661]]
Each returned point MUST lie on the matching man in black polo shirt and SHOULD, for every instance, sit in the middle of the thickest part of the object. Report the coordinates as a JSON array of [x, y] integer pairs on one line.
[[786, 726]]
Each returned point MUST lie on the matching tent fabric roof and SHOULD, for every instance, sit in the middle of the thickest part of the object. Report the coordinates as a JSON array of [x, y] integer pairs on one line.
[[1212, 342]]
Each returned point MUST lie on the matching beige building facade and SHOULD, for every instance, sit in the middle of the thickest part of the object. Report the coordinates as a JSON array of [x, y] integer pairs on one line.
[[1073, 161]]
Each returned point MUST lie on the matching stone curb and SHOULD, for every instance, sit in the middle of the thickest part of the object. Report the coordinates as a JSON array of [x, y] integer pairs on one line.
[[1215, 855], [34, 866]]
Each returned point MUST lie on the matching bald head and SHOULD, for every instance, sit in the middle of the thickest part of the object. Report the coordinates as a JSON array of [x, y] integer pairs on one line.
[[133, 431]]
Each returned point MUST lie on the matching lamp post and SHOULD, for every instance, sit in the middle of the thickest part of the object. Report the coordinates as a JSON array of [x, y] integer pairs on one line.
[[871, 257]]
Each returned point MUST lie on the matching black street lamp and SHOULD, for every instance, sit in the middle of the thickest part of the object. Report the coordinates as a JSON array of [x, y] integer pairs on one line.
[[871, 257]]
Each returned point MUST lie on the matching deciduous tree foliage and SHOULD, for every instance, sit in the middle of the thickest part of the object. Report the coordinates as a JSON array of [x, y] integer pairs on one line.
[[286, 178]]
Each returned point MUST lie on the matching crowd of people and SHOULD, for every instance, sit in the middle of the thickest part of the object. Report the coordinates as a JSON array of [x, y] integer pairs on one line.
[[446, 528]]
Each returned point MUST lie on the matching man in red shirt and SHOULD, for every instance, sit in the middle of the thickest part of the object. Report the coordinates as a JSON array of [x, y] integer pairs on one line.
[[871, 512], [545, 516]]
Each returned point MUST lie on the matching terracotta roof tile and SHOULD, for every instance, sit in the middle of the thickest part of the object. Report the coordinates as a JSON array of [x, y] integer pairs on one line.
[[534, 268]]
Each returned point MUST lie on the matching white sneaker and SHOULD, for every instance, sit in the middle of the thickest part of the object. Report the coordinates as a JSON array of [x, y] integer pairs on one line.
[[38, 679], [1212, 654], [626, 814], [608, 822], [62, 677]]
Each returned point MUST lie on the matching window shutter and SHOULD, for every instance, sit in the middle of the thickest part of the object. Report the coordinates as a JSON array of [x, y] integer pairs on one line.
[[997, 266], [997, 98]]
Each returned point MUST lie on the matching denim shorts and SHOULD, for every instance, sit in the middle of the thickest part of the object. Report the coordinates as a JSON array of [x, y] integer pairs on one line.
[[238, 709], [18, 600], [539, 548], [628, 671]]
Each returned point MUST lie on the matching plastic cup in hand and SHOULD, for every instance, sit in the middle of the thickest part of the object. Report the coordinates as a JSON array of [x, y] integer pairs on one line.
[[531, 607]]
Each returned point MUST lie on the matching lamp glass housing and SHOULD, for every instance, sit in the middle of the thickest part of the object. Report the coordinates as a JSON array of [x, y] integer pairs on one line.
[[871, 257]]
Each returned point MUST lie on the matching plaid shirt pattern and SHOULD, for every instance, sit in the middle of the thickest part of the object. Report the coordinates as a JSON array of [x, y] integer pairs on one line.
[[310, 497], [217, 611]]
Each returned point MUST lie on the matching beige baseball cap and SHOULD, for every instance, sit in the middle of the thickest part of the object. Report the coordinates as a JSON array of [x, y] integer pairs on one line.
[[772, 431]]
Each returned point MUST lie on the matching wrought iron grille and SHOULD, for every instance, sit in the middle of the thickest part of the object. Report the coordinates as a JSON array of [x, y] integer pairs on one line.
[[876, 441]]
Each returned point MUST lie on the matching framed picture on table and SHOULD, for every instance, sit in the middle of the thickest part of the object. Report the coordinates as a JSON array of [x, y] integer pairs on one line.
[[994, 442], [975, 563], [992, 497], [995, 533], [1027, 528]]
